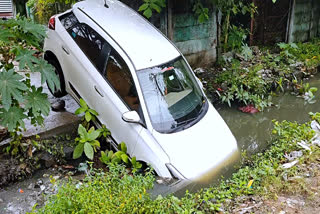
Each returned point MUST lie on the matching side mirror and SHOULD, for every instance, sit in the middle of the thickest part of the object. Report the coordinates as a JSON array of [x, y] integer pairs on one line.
[[131, 117]]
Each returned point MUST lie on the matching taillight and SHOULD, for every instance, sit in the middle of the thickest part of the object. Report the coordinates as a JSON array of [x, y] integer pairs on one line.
[[52, 23]]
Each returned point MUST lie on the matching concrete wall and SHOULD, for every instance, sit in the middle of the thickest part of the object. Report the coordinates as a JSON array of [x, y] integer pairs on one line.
[[304, 21], [198, 42], [177, 21]]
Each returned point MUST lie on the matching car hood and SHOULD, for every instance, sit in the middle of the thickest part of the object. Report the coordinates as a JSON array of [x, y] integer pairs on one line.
[[201, 148]]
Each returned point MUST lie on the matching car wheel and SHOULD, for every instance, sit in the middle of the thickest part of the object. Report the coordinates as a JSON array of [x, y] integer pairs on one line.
[[57, 69]]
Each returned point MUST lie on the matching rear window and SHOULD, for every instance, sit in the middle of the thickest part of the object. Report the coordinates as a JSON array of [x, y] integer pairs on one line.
[[68, 20], [88, 40]]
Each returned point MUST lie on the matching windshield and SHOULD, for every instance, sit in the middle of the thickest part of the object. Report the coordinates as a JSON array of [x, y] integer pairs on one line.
[[172, 95]]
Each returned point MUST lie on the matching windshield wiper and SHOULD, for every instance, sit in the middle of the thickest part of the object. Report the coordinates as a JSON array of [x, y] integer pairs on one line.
[[183, 124]]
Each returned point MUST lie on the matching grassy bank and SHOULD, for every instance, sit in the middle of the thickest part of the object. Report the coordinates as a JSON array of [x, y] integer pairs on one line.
[[254, 75], [265, 174]]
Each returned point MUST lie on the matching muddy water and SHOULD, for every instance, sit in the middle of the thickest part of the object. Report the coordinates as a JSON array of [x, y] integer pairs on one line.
[[253, 131]]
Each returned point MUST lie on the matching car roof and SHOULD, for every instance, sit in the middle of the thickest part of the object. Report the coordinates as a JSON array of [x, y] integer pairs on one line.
[[142, 42]]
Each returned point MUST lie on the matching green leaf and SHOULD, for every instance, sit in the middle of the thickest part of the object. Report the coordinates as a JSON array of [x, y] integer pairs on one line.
[[110, 154], [47, 74], [104, 158], [11, 87], [28, 26], [147, 13], [82, 132], [313, 89], [37, 102], [134, 161], [5, 35], [12, 117], [88, 116], [95, 144], [125, 158], [83, 104], [25, 58], [115, 159], [78, 151], [138, 165], [122, 147], [79, 111], [143, 7], [88, 150], [294, 45], [93, 112], [93, 134], [118, 154], [155, 7], [282, 45]]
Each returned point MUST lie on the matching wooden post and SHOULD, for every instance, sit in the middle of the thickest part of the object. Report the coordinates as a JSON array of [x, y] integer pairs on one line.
[[170, 22], [252, 24]]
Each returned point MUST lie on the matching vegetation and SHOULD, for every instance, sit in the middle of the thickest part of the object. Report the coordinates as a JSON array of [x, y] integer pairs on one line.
[[251, 78], [88, 141], [20, 40], [46, 8], [117, 191]]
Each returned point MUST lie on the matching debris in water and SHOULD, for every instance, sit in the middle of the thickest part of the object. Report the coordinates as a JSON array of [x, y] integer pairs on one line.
[[293, 155], [304, 145], [289, 165], [249, 109]]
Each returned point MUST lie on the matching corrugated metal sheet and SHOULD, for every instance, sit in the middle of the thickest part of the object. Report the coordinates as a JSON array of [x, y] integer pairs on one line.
[[5, 6], [305, 19]]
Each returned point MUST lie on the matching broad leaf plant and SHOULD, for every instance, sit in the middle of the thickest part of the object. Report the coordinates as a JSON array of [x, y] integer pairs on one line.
[[21, 41]]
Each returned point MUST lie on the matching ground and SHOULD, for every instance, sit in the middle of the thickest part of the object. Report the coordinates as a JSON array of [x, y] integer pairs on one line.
[[300, 195]]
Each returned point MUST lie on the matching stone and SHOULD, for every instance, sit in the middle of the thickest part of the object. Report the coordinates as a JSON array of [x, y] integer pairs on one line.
[[199, 71], [42, 187], [68, 153], [31, 186], [47, 159], [38, 183], [1, 200], [58, 105]]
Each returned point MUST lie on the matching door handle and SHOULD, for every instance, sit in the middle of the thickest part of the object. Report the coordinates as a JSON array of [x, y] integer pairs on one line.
[[65, 50], [97, 90]]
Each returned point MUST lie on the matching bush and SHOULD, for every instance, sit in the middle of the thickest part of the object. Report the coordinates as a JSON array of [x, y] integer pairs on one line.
[[117, 191]]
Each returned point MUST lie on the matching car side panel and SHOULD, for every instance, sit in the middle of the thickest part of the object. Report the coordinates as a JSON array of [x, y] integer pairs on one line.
[[148, 150]]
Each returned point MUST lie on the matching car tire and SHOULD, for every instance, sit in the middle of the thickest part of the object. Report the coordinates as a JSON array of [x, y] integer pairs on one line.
[[57, 69]]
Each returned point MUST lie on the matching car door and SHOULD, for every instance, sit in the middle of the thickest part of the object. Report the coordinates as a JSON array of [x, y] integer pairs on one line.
[[94, 72]]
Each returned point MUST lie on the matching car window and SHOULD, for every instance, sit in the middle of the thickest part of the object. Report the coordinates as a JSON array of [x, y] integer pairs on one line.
[[68, 20], [89, 41], [119, 76]]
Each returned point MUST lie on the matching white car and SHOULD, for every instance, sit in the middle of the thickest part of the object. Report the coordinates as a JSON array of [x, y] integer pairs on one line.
[[142, 87]]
